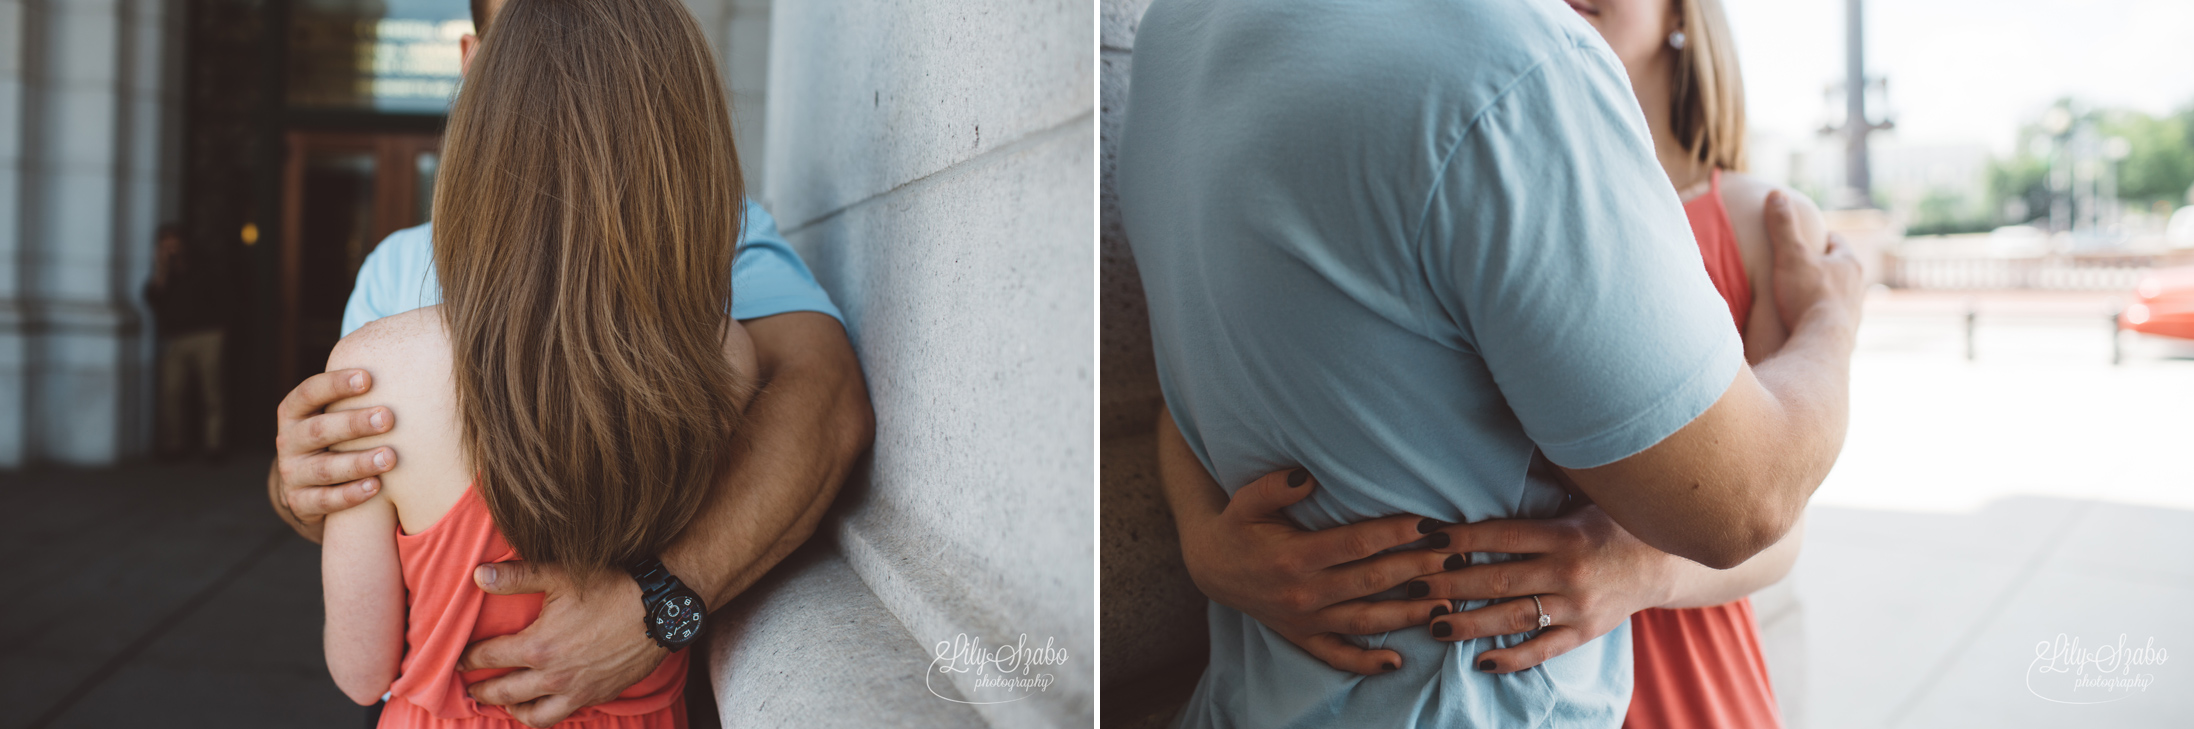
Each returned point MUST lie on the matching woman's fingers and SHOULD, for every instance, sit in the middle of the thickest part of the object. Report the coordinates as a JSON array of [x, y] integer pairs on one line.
[[1351, 542], [1555, 641], [1511, 536], [1366, 617], [1342, 655], [1494, 581], [1501, 618], [1365, 578], [1265, 497]]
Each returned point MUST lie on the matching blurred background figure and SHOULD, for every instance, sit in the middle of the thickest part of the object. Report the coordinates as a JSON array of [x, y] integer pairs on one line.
[[186, 296]]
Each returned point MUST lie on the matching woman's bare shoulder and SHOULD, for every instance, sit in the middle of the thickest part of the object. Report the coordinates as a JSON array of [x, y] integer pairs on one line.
[[408, 356], [1745, 197], [392, 341]]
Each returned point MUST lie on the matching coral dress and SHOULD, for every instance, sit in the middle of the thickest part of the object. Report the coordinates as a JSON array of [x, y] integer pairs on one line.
[[448, 612], [1701, 668]]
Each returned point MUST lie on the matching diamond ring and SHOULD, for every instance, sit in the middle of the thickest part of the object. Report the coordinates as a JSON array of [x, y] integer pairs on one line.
[[1544, 619]]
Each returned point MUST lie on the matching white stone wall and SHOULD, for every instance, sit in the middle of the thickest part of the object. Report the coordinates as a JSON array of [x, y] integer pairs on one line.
[[87, 158], [933, 162]]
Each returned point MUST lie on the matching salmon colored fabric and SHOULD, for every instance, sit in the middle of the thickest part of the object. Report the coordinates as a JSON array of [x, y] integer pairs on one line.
[[1701, 668], [448, 612], [1718, 246]]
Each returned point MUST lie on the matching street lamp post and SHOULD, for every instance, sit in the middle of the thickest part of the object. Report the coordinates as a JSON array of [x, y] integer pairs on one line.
[[1858, 192]]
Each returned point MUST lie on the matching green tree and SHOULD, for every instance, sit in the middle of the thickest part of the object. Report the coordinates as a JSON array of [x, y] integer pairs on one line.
[[2160, 165], [2023, 178]]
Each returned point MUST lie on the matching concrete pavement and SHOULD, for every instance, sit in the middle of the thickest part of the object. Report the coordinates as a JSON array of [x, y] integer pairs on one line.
[[1985, 507], [154, 595]]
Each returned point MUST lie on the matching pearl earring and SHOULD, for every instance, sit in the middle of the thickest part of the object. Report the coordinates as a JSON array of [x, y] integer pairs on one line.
[[1676, 40]]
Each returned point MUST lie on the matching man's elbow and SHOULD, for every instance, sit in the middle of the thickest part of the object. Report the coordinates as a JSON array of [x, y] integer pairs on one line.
[[1740, 539], [857, 419]]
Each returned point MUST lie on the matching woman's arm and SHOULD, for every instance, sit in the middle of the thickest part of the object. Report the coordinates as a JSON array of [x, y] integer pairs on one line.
[[364, 589], [1589, 575], [1245, 553]]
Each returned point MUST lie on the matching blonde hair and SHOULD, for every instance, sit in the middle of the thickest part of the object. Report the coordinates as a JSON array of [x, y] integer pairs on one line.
[[1707, 101], [584, 227]]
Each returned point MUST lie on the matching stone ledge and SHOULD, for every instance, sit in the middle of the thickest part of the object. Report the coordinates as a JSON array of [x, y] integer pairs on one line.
[[810, 646]]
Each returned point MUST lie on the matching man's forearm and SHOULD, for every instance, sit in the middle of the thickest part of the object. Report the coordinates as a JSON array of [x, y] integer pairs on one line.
[[1733, 481], [1811, 378], [802, 434]]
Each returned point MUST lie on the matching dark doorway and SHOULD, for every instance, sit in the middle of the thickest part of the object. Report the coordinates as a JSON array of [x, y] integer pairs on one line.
[[342, 193]]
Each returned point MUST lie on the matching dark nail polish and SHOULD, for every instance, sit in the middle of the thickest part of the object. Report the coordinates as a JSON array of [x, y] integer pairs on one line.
[[1442, 630], [1485, 665], [1418, 588], [1439, 610], [1429, 526], [1455, 562], [1387, 666], [1298, 478], [1438, 540]]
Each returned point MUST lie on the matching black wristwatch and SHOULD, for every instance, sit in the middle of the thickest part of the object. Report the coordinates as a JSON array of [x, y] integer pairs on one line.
[[674, 611]]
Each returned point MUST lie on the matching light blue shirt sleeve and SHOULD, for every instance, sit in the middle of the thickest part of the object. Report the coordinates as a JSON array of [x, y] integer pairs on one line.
[[1571, 269], [767, 279], [398, 276]]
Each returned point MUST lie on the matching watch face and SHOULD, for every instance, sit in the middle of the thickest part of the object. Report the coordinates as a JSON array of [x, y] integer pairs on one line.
[[678, 618]]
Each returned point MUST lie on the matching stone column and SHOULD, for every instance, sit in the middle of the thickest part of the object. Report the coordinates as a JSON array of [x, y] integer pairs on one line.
[[14, 388], [96, 136]]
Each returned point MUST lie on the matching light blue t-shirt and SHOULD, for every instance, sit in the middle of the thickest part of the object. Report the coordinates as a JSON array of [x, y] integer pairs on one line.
[[1420, 247], [766, 279]]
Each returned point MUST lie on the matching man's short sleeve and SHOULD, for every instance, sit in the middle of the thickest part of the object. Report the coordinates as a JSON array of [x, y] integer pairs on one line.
[[396, 277], [768, 278], [1570, 268]]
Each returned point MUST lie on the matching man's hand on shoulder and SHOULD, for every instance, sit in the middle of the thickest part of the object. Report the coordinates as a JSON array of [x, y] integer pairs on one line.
[[1811, 283], [307, 481]]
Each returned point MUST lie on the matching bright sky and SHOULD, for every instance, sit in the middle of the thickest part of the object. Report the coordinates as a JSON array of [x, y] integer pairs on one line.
[[1966, 71]]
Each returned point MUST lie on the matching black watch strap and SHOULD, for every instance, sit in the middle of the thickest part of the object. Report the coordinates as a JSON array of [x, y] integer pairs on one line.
[[663, 621]]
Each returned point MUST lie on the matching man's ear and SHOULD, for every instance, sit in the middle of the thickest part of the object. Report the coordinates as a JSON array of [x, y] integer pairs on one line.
[[467, 45]]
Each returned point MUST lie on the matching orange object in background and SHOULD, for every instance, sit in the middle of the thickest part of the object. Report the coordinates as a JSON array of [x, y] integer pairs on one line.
[[2163, 304]]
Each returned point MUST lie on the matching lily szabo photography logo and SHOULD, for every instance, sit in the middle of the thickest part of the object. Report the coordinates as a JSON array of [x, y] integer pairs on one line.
[[995, 674], [2066, 672]]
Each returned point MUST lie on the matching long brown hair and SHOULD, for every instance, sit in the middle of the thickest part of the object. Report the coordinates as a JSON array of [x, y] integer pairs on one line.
[[586, 217], [1707, 101]]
